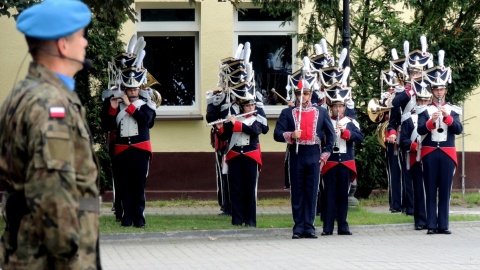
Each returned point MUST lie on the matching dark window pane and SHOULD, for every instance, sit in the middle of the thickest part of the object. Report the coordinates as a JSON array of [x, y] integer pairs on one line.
[[167, 15], [171, 60], [268, 74], [259, 15]]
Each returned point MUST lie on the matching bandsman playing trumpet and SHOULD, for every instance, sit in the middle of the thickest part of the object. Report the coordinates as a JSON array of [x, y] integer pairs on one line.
[[340, 170], [438, 124]]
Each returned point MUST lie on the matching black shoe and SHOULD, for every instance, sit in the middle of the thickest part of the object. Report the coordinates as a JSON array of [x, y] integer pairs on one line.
[[345, 233], [420, 227], [395, 210], [443, 231], [409, 213], [224, 214], [126, 223], [296, 236], [310, 235], [326, 233], [139, 224], [431, 231]]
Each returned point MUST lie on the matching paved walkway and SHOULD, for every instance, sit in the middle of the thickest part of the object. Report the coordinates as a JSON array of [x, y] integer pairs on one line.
[[395, 246]]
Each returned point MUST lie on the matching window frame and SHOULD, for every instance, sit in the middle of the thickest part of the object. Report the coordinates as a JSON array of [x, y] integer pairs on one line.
[[180, 28], [266, 28]]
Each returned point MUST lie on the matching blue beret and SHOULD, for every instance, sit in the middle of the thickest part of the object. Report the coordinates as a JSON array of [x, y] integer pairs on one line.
[[53, 19]]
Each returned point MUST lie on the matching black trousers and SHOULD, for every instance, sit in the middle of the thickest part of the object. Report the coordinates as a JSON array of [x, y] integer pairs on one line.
[[438, 170], [243, 180], [337, 185], [223, 192], [419, 213], [407, 186], [394, 177], [130, 170], [304, 181]]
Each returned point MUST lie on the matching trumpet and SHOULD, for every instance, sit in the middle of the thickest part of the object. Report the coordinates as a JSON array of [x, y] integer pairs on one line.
[[439, 129], [226, 120], [335, 145]]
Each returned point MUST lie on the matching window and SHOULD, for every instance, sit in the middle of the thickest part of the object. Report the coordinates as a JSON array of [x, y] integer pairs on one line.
[[171, 60], [171, 34], [273, 52], [167, 15]]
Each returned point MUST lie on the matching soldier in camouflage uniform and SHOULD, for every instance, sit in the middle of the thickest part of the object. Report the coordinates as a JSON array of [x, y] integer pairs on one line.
[[47, 163]]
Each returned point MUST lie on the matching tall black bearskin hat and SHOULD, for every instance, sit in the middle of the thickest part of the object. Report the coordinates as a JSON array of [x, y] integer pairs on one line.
[[339, 92], [439, 76]]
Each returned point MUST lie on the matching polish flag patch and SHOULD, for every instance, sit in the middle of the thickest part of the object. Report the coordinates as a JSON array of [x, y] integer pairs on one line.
[[57, 112]]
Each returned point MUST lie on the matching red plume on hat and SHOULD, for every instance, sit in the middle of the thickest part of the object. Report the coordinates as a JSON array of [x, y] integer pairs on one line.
[[300, 84]]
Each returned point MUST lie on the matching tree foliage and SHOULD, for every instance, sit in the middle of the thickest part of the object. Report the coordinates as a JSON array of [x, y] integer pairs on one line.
[[376, 27], [103, 36]]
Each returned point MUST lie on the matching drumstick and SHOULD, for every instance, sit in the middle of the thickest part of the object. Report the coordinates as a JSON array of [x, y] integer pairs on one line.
[[280, 96]]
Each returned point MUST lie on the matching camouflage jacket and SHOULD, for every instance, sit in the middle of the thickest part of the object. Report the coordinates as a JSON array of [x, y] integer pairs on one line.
[[47, 159]]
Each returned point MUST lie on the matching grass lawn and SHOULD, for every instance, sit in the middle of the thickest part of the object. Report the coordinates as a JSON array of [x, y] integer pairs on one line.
[[358, 216]]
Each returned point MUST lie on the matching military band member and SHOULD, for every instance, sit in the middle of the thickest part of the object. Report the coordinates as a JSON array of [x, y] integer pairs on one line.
[[403, 104], [401, 189], [305, 125], [438, 124], [131, 115], [340, 170], [215, 100], [47, 161], [410, 142], [244, 160]]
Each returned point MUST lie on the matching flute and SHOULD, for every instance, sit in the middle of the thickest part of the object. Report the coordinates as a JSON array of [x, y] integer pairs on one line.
[[226, 120]]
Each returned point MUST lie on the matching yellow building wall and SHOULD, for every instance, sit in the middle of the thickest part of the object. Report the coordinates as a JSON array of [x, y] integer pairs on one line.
[[215, 43]]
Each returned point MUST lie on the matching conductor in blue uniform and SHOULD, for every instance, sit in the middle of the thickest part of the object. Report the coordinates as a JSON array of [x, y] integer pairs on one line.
[[305, 125]]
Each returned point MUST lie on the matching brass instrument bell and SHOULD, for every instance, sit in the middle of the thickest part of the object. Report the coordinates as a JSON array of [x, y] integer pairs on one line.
[[380, 132], [156, 97], [375, 111]]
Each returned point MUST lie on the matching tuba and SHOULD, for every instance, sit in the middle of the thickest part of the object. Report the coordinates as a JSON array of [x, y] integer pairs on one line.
[[156, 97]]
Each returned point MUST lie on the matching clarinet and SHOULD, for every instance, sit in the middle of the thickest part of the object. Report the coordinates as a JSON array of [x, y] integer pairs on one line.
[[335, 145], [439, 129]]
